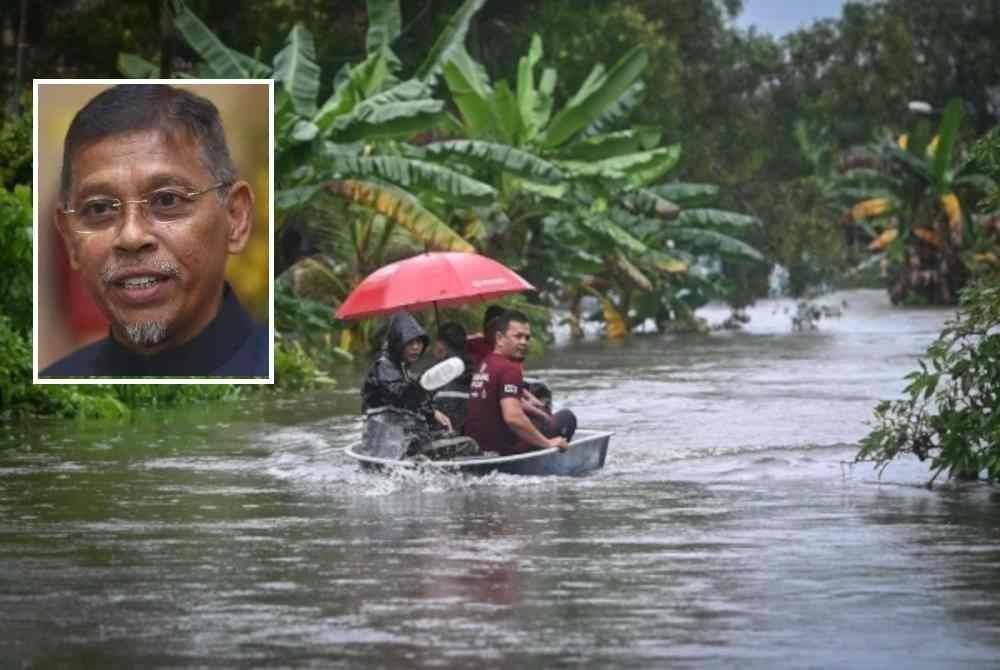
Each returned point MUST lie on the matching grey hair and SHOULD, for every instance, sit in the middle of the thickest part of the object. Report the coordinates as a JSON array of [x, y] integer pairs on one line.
[[133, 107]]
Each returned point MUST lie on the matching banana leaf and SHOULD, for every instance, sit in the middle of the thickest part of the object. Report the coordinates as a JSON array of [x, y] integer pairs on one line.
[[295, 67], [646, 201], [713, 241], [472, 94], [223, 61], [608, 145], [499, 156], [619, 111], [384, 24], [715, 217], [594, 98], [415, 174], [687, 194], [405, 210], [370, 121], [534, 105], [358, 83], [450, 39], [601, 224], [947, 137], [136, 67]]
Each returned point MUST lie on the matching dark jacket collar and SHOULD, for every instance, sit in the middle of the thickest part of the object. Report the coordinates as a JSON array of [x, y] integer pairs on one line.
[[200, 356]]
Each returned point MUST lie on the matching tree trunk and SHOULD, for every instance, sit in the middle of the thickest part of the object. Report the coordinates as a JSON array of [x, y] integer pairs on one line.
[[21, 62]]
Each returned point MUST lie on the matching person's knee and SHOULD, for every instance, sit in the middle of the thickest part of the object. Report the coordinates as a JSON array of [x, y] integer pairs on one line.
[[564, 423]]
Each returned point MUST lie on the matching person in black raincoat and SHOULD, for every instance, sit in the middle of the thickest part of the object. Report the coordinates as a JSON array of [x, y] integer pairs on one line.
[[389, 381]]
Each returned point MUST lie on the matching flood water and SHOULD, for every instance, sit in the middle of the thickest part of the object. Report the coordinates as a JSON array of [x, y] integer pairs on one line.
[[728, 528]]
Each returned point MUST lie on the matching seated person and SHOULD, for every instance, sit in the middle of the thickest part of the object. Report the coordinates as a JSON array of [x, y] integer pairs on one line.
[[389, 382], [477, 346], [453, 398], [498, 416]]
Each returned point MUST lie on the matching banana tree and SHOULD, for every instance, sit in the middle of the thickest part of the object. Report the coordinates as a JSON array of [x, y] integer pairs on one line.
[[916, 209], [340, 165], [583, 212]]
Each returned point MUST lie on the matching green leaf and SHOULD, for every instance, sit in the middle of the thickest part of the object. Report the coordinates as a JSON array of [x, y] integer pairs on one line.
[[500, 156], [135, 67], [601, 223], [384, 24], [618, 112], [357, 83], [370, 121], [472, 94], [292, 198], [716, 242], [639, 167], [295, 67], [646, 201], [223, 61], [595, 97], [410, 174], [599, 147], [450, 39], [507, 113], [715, 217], [913, 163], [947, 137], [687, 194], [405, 210], [531, 104]]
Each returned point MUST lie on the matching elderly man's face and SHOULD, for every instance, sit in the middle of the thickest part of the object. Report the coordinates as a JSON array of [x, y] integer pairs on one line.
[[159, 284]]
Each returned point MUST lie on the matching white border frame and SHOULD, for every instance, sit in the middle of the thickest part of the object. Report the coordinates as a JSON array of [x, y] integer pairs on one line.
[[34, 236]]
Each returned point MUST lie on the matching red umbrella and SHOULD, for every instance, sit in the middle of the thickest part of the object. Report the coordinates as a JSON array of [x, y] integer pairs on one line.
[[439, 279]]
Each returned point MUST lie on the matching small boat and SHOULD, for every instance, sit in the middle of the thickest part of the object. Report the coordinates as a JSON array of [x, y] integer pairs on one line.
[[586, 453]]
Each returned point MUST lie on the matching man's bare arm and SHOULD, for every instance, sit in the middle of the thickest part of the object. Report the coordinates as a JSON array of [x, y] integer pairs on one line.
[[518, 421]]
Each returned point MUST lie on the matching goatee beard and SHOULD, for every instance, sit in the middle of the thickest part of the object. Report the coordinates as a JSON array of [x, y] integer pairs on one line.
[[146, 333]]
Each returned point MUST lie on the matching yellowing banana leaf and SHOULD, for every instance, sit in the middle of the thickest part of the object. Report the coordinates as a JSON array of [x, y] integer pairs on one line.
[[616, 329], [953, 208], [883, 240], [414, 174], [670, 265], [405, 210], [632, 272], [928, 236], [867, 209]]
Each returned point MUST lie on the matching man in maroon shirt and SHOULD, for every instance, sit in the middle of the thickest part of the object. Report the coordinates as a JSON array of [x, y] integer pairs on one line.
[[497, 420]]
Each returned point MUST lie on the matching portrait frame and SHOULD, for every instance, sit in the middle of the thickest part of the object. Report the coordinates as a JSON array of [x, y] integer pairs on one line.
[[56, 330]]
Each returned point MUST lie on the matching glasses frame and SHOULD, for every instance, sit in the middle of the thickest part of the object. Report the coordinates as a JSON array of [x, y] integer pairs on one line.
[[117, 204]]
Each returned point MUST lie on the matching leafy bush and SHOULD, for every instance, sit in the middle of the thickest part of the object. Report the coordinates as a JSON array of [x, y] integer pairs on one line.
[[15, 150], [951, 409], [15, 257]]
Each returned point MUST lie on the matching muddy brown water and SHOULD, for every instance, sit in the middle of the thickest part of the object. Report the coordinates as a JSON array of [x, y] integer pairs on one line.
[[728, 529]]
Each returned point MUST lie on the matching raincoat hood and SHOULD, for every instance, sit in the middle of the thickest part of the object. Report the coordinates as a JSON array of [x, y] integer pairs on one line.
[[403, 328]]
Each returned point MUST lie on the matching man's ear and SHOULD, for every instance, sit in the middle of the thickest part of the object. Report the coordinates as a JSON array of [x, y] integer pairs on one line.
[[71, 241], [240, 214]]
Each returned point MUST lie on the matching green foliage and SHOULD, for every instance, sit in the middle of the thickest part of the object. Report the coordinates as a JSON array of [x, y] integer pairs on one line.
[[15, 257], [951, 409], [15, 149]]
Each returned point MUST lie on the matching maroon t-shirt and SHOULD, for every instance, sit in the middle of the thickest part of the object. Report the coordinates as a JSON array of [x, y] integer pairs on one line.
[[477, 348], [494, 378]]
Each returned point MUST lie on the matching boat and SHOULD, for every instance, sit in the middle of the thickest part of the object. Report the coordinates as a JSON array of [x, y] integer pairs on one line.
[[585, 454]]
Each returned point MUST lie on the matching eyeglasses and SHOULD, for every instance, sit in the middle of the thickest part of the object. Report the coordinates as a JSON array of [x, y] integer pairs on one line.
[[164, 205]]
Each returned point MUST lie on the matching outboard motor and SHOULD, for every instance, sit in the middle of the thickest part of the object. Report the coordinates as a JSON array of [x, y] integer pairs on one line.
[[394, 433]]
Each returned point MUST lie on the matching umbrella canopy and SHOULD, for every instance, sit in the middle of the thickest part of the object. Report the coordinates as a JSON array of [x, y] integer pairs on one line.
[[439, 279]]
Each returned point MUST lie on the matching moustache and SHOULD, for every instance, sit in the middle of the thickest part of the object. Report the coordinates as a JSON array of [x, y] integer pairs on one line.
[[115, 272]]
